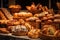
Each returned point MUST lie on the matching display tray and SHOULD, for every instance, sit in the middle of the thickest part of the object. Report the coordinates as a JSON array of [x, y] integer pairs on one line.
[[18, 37]]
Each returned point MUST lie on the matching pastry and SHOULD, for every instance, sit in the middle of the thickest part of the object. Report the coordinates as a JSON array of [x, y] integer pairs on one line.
[[34, 33], [48, 29]]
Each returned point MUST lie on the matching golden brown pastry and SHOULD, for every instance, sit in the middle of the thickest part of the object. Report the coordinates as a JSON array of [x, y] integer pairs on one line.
[[22, 15], [57, 16], [34, 33], [14, 8], [3, 30], [48, 29], [28, 26], [2, 16], [32, 7], [57, 20], [19, 30], [42, 14], [7, 14], [22, 22], [34, 21], [3, 21], [13, 22], [57, 33]]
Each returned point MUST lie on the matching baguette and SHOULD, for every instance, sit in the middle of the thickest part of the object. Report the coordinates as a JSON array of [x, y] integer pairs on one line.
[[7, 13], [2, 16]]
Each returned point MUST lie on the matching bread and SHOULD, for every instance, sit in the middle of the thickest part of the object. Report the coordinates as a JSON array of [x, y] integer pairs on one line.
[[57, 33], [28, 26], [57, 16], [34, 33], [42, 14], [57, 20], [14, 8], [48, 30], [4, 30], [22, 15], [19, 30], [2, 16], [7, 13], [34, 21], [32, 7], [4, 21], [13, 22]]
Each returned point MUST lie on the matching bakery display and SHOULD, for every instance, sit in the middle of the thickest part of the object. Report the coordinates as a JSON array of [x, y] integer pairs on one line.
[[36, 22]]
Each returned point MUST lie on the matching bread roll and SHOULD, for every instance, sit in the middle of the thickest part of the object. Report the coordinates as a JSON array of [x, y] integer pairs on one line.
[[22, 15], [48, 29], [34, 21], [19, 30], [57, 33], [34, 33]]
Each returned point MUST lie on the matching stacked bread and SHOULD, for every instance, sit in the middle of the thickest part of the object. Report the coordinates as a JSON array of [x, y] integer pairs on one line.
[[37, 21]]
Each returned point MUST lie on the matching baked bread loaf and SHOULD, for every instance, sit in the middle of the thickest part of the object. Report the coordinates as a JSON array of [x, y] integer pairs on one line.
[[13, 22], [19, 30], [7, 13], [22, 15]]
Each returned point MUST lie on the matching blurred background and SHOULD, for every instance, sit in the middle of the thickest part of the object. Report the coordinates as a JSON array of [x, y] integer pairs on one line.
[[23, 3]]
